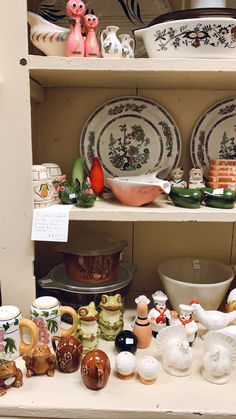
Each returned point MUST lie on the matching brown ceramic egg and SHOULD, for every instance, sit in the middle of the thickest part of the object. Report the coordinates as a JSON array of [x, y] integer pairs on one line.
[[95, 369]]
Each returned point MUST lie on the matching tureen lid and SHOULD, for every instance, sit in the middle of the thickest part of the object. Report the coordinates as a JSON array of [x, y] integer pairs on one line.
[[92, 245]]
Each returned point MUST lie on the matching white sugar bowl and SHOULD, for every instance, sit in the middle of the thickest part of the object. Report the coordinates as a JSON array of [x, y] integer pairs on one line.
[[125, 364], [148, 368]]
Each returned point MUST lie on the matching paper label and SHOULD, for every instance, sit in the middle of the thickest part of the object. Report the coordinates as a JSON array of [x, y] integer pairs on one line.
[[72, 195], [51, 224], [129, 341], [196, 264], [218, 191]]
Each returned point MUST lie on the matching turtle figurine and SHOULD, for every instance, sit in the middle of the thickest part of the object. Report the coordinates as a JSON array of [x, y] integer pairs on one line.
[[10, 376], [41, 361], [86, 196]]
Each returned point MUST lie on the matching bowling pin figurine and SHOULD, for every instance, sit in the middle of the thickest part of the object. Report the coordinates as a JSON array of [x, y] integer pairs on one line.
[[142, 327]]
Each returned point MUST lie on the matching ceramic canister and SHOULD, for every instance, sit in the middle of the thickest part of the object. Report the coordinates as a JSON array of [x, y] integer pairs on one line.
[[55, 173], [46, 313], [11, 325], [43, 188]]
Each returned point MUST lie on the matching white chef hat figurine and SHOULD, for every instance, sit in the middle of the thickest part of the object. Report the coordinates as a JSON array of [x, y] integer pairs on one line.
[[159, 316], [186, 319]]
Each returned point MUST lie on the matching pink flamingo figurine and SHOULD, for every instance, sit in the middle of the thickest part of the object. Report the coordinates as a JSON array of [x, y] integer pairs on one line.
[[91, 23], [75, 42]]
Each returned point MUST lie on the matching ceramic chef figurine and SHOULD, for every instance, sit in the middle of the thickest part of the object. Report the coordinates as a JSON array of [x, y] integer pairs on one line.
[[176, 178], [231, 301], [125, 363], [90, 22], [159, 316], [75, 42], [10, 376], [174, 350], [148, 368], [196, 179], [87, 328], [142, 327], [111, 316], [219, 355], [186, 319], [41, 361]]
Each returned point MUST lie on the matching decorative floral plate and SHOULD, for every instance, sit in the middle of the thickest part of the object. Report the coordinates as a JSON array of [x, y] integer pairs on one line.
[[131, 136], [214, 136]]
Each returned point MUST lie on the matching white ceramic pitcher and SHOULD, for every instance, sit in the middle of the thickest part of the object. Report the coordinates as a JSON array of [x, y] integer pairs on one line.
[[110, 43], [127, 45]]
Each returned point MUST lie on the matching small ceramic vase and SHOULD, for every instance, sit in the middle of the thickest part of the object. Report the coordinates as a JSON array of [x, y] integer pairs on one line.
[[91, 23], [87, 329], [56, 175], [75, 40], [176, 178], [148, 368], [11, 330], [127, 45], [95, 369], [111, 46], [231, 301], [42, 187], [126, 341], [219, 355], [125, 365], [212, 319], [68, 352], [159, 316], [40, 362], [46, 313], [196, 179], [142, 327], [10, 376], [185, 318], [111, 316], [97, 177], [174, 350]]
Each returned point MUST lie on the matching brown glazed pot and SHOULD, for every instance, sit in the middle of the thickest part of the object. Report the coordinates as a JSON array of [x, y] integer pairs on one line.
[[68, 351], [95, 369]]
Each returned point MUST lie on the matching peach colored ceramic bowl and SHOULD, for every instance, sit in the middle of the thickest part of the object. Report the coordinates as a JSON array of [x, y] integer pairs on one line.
[[138, 190]]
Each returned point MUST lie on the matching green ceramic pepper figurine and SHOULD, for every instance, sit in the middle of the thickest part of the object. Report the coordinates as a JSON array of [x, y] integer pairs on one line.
[[67, 193], [86, 197]]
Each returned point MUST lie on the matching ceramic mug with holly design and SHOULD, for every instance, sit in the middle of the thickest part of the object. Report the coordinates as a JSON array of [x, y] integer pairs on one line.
[[11, 332], [46, 312]]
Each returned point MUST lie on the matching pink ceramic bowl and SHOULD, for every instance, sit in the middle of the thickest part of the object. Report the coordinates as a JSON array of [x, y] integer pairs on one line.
[[138, 190]]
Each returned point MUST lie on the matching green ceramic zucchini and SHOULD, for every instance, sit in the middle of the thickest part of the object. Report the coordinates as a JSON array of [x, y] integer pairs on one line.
[[218, 198], [186, 198]]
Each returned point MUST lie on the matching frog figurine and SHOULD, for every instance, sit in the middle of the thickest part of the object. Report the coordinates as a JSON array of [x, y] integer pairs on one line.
[[111, 316], [10, 376], [87, 329], [41, 361]]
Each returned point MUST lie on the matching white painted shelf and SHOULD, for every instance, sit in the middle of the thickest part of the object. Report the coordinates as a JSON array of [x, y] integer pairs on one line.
[[138, 73], [65, 396], [112, 210]]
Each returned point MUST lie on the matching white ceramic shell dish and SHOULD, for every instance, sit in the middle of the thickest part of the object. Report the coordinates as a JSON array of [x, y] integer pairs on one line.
[[196, 33]]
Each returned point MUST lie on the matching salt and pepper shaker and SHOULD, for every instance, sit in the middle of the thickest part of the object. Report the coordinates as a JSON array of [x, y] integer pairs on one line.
[[142, 327]]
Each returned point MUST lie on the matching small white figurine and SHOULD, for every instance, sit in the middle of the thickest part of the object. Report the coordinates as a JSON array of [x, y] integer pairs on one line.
[[231, 301], [125, 363], [219, 355], [212, 319], [176, 178], [142, 327], [185, 318], [148, 368], [196, 179], [159, 316], [174, 350]]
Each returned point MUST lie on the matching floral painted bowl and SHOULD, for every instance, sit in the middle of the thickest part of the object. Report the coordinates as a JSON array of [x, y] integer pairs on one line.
[[196, 33], [138, 190]]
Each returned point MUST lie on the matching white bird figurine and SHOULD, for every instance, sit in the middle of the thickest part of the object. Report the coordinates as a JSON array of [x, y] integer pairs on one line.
[[174, 350], [219, 355], [212, 319]]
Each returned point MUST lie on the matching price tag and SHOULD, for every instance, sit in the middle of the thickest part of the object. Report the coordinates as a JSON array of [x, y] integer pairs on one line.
[[196, 264], [51, 224], [218, 191], [129, 341]]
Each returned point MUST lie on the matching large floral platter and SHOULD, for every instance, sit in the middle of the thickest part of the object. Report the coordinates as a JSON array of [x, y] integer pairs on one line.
[[214, 136], [131, 136]]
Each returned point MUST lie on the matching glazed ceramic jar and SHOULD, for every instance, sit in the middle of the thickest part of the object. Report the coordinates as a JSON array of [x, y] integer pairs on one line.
[[148, 368], [68, 351], [55, 173], [125, 365], [42, 187], [11, 328], [95, 369]]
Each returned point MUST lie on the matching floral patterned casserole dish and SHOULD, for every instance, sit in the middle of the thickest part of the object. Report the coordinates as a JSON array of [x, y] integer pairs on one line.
[[195, 33]]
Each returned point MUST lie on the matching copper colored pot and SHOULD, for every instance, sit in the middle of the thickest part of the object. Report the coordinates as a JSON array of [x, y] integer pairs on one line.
[[95, 369], [68, 351]]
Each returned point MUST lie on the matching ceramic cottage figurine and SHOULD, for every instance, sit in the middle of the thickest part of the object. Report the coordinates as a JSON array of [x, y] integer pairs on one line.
[[87, 328], [174, 350], [75, 42], [10, 376], [142, 327], [41, 361], [185, 318], [111, 316], [219, 355], [176, 178], [159, 316], [91, 22], [196, 179]]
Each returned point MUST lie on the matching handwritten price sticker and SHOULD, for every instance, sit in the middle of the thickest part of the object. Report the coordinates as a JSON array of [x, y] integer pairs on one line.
[[51, 224]]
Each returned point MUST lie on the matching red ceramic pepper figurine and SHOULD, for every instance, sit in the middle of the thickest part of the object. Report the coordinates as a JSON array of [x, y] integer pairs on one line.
[[75, 42], [97, 177]]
